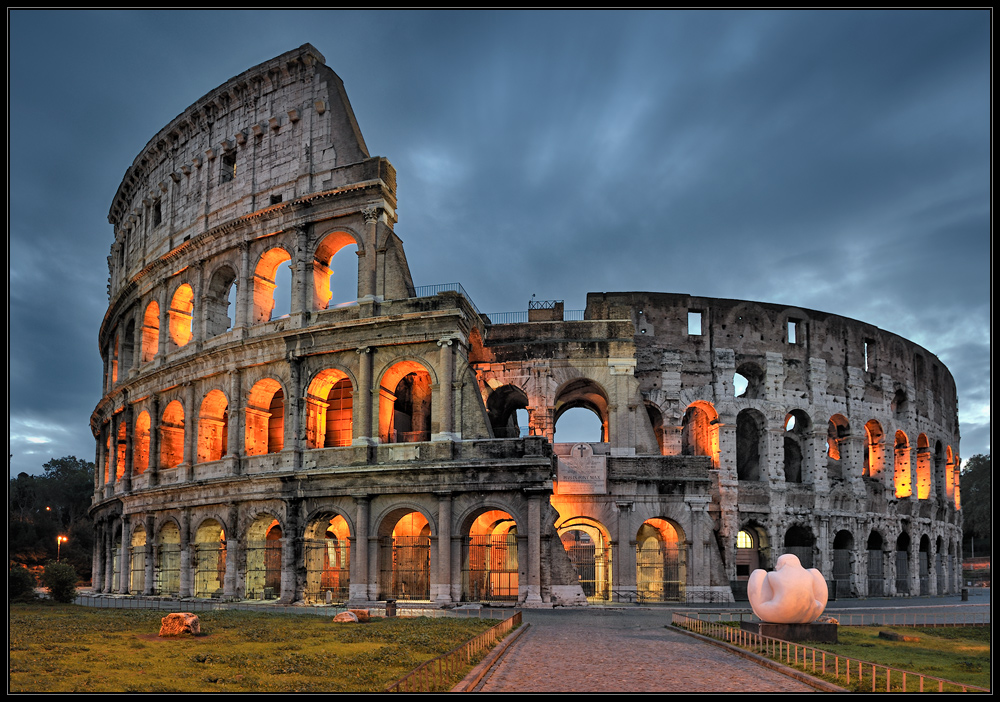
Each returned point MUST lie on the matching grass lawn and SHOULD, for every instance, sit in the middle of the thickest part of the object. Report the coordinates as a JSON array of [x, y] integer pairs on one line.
[[65, 648]]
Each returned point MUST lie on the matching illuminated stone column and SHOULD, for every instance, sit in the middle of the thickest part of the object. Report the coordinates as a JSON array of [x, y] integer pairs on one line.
[[99, 465], [234, 438], [150, 523], [367, 280], [154, 441], [185, 471], [301, 273], [294, 412], [359, 552], [97, 562], [290, 551], [198, 306], [123, 560], [533, 594], [441, 590], [109, 485], [446, 391], [186, 574], [164, 322], [364, 396], [109, 557], [243, 310], [232, 552]]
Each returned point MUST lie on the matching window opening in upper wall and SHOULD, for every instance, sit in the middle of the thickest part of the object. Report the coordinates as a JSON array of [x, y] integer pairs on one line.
[[869, 355], [228, 169], [793, 331], [157, 214], [694, 323]]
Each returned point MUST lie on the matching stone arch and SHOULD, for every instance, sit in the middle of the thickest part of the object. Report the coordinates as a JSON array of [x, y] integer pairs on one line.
[[218, 300], [660, 561], [150, 332], [899, 404], [262, 551], [700, 430], [490, 570], [327, 551], [405, 402], [876, 564], [924, 555], [843, 564], [137, 560], [213, 427], [752, 551], [264, 276], [796, 448], [922, 473], [329, 409], [140, 451], [902, 477], [800, 541], [180, 315], [209, 558], [120, 445], [874, 463], [114, 357], [903, 564], [168, 558], [950, 475], [264, 424], [404, 555], [837, 431], [655, 417], [751, 445], [585, 393], [502, 406], [128, 347], [328, 248], [172, 435], [587, 542], [753, 377]]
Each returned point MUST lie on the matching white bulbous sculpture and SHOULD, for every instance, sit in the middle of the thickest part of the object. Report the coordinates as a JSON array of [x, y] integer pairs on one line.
[[789, 594]]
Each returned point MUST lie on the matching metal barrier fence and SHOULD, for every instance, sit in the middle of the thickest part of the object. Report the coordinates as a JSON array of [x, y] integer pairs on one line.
[[882, 678], [439, 672], [954, 617]]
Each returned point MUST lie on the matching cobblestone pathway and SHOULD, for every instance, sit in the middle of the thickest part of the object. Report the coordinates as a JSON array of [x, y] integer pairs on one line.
[[623, 651]]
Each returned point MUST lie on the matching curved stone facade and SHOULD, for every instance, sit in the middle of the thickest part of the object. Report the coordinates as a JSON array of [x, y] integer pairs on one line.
[[259, 440]]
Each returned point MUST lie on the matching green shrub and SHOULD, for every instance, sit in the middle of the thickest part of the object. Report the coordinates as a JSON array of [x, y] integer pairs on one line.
[[61, 580], [20, 584]]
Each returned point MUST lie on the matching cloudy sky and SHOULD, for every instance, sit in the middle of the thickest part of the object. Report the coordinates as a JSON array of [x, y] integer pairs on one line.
[[837, 161]]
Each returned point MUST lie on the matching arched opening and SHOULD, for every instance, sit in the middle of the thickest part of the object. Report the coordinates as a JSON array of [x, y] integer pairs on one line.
[[502, 408], [902, 479], [263, 559], [405, 404], [219, 302], [489, 559], [575, 426], [748, 381], [266, 280], [172, 435], [699, 431], [137, 561], [335, 271], [168, 560], [329, 410], [116, 561], [209, 559], [265, 418], [328, 559], [899, 404], [114, 360], [660, 562], [751, 555], [873, 449], [588, 545], [120, 444], [150, 332], [213, 427], [903, 564], [404, 556], [140, 452], [843, 565], [923, 471], [924, 566], [180, 315], [128, 348], [951, 475], [797, 426], [942, 581], [799, 541], [750, 445], [656, 422], [876, 567], [837, 431]]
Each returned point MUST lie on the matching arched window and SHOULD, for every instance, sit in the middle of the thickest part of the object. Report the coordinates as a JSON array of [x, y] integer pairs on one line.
[[902, 478], [750, 445], [172, 435], [219, 302], [213, 427], [502, 407], [335, 271], [140, 453], [150, 332], [923, 470], [265, 281], [699, 435], [796, 464], [180, 314], [265, 418], [405, 407], [329, 410], [581, 426]]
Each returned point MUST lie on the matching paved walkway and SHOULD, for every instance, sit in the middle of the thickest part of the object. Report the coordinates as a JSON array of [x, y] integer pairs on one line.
[[623, 651]]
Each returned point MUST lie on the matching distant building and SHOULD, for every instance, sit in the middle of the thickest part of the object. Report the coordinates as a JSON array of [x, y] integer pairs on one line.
[[401, 445]]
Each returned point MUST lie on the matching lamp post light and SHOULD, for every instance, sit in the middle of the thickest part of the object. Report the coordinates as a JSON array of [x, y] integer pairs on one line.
[[60, 540]]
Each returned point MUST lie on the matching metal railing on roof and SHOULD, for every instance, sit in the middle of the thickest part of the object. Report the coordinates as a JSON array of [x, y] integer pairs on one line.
[[431, 290]]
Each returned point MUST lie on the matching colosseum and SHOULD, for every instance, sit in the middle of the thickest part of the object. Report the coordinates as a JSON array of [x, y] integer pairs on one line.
[[267, 432]]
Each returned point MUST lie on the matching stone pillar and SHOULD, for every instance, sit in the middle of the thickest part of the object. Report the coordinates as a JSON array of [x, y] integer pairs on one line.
[[533, 594], [290, 551], [154, 441], [441, 591], [99, 465], [124, 567], [150, 555], [128, 416], [186, 574], [814, 455], [623, 543], [243, 298], [446, 389], [198, 306], [234, 438], [367, 279], [137, 345], [359, 553], [109, 486], [364, 396], [185, 471], [294, 413], [109, 557], [299, 311], [97, 567], [232, 552], [164, 322]]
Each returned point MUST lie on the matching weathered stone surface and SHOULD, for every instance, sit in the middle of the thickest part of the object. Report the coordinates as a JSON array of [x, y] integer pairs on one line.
[[348, 616], [180, 624]]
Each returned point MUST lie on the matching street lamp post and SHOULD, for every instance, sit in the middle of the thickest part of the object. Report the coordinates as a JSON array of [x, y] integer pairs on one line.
[[60, 540]]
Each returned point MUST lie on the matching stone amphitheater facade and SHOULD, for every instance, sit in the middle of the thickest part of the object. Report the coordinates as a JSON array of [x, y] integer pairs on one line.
[[401, 445]]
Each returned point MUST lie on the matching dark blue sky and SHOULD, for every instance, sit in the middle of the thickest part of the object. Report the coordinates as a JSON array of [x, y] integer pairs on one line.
[[837, 161]]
